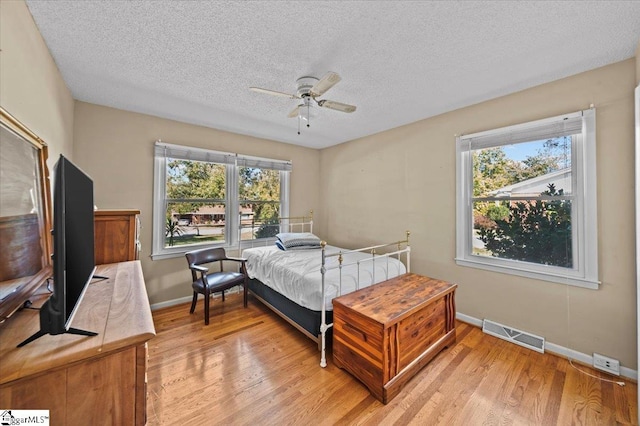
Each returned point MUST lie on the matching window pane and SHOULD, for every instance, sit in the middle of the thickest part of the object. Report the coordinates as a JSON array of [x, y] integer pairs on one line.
[[259, 220], [537, 231], [524, 169], [259, 199], [195, 179], [194, 223]]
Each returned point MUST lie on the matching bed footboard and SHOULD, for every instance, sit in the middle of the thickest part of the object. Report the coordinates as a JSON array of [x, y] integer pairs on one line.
[[378, 253]]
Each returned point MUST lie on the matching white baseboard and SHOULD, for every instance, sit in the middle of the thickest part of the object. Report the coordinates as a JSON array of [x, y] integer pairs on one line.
[[558, 350], [469, 320], [168, 303]]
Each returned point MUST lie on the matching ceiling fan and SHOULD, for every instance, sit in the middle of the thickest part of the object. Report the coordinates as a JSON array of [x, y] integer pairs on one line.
[[308, 90]]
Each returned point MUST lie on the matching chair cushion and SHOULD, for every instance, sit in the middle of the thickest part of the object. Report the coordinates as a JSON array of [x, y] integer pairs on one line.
[[218, 281]]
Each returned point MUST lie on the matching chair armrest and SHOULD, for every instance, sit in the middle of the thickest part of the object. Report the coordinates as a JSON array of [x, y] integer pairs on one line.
[[198, 268], [243, 263]]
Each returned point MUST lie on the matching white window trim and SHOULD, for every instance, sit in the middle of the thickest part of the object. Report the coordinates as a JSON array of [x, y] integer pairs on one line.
[[159, 251], [585, 230]]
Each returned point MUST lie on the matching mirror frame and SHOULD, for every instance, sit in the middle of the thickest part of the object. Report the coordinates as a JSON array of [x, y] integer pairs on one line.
[[16, 299]]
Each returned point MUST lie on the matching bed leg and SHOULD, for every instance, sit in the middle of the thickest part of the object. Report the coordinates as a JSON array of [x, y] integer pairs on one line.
[[323, 349]]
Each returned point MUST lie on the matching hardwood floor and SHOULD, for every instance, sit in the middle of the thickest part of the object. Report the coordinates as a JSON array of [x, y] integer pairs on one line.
[[249, 367]]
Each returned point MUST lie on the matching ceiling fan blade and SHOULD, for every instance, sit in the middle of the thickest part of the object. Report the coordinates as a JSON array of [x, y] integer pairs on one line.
[[274, 92], [329, 80], [338, 106], [294, 112]]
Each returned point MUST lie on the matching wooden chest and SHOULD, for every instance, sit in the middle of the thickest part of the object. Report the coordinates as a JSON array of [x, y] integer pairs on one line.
[[384, 334]]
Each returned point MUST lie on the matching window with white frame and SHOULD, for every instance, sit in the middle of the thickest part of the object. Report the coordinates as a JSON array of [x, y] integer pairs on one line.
[[208, 198], [526, 200]]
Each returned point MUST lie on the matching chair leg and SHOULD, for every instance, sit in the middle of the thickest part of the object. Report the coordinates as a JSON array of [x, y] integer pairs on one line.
[[193, 302], [245, 285], [246, 289], [223, 295], [206, 308]]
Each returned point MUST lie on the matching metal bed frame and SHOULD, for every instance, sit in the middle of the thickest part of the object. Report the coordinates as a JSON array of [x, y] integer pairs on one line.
[[377, 253]]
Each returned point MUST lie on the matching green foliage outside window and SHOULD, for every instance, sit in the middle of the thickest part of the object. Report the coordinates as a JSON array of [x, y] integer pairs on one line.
[[172, 230], [537, 231], [260, 190], [196, 180], [196, 194]]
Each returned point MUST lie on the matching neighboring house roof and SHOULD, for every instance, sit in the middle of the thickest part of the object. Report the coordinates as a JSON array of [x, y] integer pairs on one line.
[[561, 179]]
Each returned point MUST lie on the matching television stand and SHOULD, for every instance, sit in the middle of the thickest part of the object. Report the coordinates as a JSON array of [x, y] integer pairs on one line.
[[41, 333], [48, 325]]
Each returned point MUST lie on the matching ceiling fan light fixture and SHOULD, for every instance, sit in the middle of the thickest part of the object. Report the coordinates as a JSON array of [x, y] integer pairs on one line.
[[306, 112]]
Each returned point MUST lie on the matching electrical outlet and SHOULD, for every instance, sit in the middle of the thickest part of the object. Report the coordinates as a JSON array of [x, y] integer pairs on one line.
[[607, 364]]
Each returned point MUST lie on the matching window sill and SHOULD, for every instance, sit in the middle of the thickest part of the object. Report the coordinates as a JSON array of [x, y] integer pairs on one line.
[[180, 251], [536, 275], [163, 256]]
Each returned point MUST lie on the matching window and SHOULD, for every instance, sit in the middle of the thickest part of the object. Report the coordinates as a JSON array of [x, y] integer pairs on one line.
[[526, 200], [207, 198], [259, 200]]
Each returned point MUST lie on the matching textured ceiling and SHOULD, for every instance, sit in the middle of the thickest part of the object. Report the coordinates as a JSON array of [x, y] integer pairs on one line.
[[400, 61]]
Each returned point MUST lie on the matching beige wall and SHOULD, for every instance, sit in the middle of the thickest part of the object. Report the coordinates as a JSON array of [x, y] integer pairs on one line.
[[31, 87], [115, 148], [376, 187]]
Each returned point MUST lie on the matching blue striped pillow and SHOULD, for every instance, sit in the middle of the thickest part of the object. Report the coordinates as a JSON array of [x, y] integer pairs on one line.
[[297, 240]]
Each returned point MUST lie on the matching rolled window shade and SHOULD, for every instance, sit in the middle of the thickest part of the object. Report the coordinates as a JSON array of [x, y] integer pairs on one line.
[[179, 152], [263, 163], [563, 125]]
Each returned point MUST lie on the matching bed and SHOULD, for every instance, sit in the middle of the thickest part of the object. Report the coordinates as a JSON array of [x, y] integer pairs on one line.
[[300, 283]]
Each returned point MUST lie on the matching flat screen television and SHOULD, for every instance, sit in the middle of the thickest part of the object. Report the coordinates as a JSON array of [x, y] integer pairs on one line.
[[73, 249]]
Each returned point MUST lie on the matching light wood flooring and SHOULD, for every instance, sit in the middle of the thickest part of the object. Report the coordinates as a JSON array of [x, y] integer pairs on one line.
[[249, 367]]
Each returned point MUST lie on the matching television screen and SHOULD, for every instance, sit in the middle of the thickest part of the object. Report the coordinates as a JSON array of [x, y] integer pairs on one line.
[[73, 249], [77, 267]]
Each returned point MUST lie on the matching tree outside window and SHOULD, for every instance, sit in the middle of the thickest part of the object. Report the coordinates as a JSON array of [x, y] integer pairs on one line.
[[512, 219]]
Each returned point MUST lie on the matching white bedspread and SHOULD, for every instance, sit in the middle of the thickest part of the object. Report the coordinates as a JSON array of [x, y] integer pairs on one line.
[[296, 274]]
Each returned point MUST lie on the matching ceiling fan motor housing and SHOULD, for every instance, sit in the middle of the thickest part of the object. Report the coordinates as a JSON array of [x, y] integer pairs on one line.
[[304, 85]]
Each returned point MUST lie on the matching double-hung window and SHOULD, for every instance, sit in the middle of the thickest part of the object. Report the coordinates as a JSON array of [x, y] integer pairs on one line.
[[526, 200], [210, 198]]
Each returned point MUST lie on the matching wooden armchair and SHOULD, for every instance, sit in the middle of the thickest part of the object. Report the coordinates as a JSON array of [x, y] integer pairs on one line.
[[214, 282]]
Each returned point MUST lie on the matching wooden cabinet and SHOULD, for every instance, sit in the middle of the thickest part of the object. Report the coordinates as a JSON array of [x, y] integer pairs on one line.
[[84, 380], [384, 334], [116, 236]]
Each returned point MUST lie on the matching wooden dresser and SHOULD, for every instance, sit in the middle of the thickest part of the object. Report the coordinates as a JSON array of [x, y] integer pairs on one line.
[[384, 334], [84, 380], [116, 235]]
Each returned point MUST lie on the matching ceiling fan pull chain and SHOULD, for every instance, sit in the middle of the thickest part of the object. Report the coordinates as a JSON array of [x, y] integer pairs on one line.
[[308, 114], [298, 124]]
